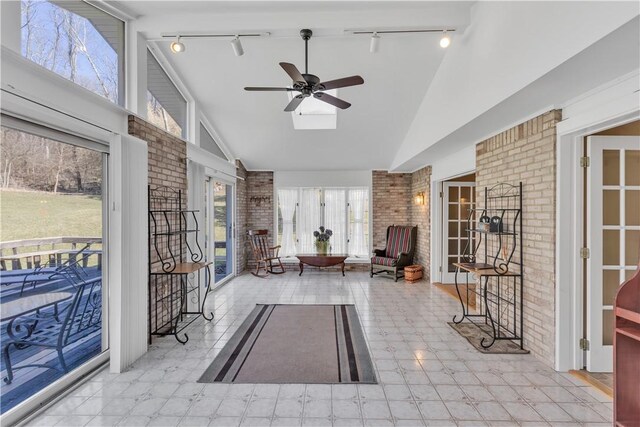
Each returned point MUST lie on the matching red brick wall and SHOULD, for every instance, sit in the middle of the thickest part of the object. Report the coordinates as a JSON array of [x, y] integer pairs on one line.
[[260, 207], [391, 202], [420, 216], [242, 244]]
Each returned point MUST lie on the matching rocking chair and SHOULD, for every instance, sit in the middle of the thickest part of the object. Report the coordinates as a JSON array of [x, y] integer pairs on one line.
[[263, 254]]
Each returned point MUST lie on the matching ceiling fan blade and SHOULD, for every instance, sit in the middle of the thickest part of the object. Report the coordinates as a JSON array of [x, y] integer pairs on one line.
[[338, 83], [294, 103], [331, 100], [293, 72], [269, 89]]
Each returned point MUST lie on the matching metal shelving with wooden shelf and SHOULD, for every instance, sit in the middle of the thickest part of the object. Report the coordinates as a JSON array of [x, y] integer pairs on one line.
[[493, 257], [179, 277]]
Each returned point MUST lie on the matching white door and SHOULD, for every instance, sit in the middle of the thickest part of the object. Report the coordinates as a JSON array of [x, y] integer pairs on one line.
[[458, 200], [613, 236]]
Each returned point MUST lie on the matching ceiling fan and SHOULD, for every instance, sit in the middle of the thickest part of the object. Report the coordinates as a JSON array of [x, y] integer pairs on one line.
[[309, 84]]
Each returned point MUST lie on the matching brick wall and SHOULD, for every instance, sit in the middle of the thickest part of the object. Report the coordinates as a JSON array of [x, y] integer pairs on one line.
[[420, 216], [242, 249], [391, 202], [527, 153], [259, 210], [167, 157]]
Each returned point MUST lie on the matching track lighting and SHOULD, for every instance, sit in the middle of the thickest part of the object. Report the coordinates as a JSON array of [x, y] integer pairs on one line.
[[445, 41], [177, 46], [375, 43], [237, 46]]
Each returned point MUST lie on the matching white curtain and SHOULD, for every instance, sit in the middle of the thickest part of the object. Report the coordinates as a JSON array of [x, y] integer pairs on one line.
[[308, 219], [335, 209], [287, 200], [358, 202]]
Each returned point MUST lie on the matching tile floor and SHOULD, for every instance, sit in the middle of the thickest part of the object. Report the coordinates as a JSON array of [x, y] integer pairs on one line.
[[428, 374]]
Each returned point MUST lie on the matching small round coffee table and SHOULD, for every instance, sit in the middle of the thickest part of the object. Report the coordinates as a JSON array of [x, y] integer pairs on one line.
[[318, 260]]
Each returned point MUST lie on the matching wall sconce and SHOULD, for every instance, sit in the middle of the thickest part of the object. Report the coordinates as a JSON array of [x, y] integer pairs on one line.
[[419, 199]]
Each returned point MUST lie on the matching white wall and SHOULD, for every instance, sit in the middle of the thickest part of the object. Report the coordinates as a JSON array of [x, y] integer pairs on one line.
[[508, 46], [322, 179]]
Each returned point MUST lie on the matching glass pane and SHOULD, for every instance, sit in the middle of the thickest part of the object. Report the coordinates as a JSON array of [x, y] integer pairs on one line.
[[166, 107], [611, 167], [208, 143], [465, 194], [611, 207], [607, 327], [632, 167], [465, 210], [222, 230], [631, 243], [451, 267], [453, 246], [632, 207], [453, 194], [53, 193], [78, 41], [453, 210], [611, 247], [628, 274], [610, 283], [463, 246], [453, 229]]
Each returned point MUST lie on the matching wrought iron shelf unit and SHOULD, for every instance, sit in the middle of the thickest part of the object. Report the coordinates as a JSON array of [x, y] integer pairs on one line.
[[493, 259], [179, 277]]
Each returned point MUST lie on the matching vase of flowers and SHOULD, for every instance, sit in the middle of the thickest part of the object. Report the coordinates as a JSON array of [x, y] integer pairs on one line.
[[322, 240]]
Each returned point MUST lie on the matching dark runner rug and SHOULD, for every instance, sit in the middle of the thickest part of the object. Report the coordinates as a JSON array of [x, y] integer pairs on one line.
[[282, 343], [475, 336]]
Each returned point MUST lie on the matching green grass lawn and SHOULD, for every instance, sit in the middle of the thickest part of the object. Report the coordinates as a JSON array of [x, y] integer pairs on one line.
[[28, 215]]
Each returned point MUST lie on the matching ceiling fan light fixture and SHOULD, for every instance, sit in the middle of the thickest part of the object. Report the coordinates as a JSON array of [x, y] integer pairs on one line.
[[445, 41], [374, 46], [237, 46], [177, 46]]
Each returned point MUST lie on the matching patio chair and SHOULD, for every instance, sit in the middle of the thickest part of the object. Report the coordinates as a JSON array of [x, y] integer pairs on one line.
[[263, 254], [80, 318], [401, 246], [71, 270]]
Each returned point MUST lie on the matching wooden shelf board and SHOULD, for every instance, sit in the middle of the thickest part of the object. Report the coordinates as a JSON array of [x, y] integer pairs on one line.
[[630, 332], [628, 314], [185, 268], [482, 269]]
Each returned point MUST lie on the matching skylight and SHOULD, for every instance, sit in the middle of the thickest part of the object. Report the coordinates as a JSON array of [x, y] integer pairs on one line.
[[315, 114]]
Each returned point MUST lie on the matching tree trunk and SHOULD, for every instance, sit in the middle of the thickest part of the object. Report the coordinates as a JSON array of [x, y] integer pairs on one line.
[[76, 169], [59, 170]]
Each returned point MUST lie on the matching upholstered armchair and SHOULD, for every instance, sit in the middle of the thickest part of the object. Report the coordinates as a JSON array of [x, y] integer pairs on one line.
[[401, 246]]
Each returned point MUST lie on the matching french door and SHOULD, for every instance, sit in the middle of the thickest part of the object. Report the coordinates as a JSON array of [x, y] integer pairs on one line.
[[613, 236], [458, 200], [219, 217]]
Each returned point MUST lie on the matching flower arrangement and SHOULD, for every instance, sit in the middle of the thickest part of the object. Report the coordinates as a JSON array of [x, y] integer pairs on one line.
[[322, 239], [323, 235]]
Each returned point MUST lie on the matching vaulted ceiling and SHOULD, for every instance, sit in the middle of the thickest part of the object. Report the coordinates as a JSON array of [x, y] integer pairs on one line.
[[417, 97]]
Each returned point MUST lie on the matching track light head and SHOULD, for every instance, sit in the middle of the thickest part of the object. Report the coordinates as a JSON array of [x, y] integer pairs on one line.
[[374, 46], [177, 46], [237, 46], [445, 41]]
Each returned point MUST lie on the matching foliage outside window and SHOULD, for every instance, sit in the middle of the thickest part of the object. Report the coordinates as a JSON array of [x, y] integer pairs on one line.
[[344, 210], [166, 107], [77, 41]]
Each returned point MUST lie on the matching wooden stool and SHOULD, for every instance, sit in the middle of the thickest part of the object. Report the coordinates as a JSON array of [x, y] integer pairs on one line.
[[412, 273]]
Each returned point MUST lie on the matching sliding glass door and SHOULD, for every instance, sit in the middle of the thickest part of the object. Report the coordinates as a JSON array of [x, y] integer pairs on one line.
[[219, 212], [52, 228]]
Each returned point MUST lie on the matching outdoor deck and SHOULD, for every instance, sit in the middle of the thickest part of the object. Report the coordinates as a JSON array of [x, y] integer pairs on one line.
[[30, 380]]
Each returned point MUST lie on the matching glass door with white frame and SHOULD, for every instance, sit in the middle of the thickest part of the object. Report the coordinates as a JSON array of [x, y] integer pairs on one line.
[[458, 200], [52, 229], [219, 210], [613, 236]]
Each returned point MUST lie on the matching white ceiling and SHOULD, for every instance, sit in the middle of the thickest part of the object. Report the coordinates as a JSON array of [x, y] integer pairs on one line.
[[253, 125]]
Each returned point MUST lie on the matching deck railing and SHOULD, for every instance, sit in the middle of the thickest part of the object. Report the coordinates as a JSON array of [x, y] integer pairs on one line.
[[51, 251]]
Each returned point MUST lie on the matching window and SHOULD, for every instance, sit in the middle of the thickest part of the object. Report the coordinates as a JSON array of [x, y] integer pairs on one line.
[[315, 114], [77, 41], [208, 143], [52, 227], [166, 107], [345, 211]]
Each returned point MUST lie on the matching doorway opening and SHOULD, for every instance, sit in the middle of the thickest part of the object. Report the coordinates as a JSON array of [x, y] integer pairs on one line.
[[219, 219]]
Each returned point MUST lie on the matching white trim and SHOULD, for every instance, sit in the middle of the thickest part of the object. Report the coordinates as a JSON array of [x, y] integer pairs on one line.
[[591, 117], [212, 163]]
